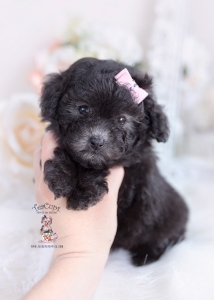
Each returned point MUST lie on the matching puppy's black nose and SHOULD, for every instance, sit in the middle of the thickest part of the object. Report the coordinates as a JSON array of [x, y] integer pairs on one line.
[[96, 142]]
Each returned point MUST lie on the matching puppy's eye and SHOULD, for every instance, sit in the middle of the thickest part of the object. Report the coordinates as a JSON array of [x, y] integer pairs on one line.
[[122, 120], [84, 110]]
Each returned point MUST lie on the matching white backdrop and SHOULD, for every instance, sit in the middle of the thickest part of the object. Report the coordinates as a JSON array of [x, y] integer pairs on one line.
[[183, 273], [26, 26]]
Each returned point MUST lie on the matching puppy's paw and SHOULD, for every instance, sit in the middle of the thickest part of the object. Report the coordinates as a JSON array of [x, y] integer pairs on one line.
[[60, 175], [90, 188], [81, 186], [146, 254]]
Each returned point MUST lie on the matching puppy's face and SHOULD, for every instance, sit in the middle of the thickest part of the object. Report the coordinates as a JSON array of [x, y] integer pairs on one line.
[[98, 130], [97, 121]]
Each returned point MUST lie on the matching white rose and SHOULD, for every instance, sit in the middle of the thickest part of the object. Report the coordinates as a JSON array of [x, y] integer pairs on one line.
[[21, 128]]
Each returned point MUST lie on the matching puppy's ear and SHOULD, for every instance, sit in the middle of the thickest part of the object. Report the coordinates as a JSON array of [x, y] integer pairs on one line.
[[51, 94], [156, 119]]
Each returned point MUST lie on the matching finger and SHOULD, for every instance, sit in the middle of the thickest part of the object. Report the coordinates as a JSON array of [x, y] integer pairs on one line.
[[37, 164], [37, 174], [108, 206], [48, 146], [115, 178]]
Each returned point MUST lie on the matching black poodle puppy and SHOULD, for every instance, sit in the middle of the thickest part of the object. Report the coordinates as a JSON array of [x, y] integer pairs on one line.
[[98, 125]]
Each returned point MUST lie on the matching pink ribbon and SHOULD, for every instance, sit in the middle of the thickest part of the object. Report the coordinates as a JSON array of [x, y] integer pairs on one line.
[[124, 78]]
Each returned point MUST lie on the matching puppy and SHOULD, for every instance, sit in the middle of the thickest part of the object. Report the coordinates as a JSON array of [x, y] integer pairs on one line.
[[98, 125]]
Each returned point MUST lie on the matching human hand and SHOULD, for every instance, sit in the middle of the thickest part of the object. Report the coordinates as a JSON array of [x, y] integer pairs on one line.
[[81, 233], [86, 236]]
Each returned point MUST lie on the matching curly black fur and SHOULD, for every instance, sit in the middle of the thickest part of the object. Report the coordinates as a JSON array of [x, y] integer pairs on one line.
[[98, 125]]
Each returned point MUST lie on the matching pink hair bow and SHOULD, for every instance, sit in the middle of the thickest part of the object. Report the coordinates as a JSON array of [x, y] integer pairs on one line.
[[124, 78]]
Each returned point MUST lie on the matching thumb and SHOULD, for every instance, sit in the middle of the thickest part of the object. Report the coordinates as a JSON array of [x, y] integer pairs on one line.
[[114, 179]]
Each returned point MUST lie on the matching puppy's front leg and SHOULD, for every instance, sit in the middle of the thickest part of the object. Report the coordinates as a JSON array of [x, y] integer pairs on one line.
[[60, 174], [91, 186], [81, 186]]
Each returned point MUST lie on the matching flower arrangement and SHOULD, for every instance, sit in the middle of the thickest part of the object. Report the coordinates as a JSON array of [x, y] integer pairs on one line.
[[84, 39]]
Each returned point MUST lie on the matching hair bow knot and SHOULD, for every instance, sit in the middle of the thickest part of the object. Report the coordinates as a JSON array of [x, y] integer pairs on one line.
[[124, 78]]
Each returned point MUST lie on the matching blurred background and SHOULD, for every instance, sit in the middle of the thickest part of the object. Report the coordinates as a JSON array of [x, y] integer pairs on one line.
[[172, 40]]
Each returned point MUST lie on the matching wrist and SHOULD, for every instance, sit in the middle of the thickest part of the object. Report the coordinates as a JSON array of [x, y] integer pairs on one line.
[[70, 275], [72, 249]]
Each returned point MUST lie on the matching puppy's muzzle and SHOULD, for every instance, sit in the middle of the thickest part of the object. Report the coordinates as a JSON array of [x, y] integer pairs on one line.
[[96, 142]]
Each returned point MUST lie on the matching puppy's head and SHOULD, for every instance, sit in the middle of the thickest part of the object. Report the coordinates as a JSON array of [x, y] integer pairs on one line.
[[95, 119]]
